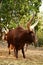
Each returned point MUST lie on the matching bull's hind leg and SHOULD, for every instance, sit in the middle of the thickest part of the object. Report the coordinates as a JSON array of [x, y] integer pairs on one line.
[[9, 47], [23, 52], [9, 51]]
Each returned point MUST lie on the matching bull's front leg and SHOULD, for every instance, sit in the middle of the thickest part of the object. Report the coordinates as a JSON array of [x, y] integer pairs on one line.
[[16, 52], [23, 52]]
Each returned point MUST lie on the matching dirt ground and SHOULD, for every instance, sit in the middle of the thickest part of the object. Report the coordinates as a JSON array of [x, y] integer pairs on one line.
[[34, 56]]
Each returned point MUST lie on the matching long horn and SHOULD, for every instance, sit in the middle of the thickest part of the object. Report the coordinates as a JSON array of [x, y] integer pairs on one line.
[[6, 31], [29, 23], [31, 19], [34, 25]]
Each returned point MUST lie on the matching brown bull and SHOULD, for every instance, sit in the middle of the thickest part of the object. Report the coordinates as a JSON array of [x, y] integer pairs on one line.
[[18, 37]]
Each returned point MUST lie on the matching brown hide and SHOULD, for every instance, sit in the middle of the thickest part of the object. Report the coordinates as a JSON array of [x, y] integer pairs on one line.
[[18, 37]]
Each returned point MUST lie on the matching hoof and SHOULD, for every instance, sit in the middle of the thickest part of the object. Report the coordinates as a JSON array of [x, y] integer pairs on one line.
[[24, 57], [9, 53]]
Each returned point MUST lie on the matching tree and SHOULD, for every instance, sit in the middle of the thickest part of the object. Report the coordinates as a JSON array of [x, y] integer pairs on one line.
[[15, 10]]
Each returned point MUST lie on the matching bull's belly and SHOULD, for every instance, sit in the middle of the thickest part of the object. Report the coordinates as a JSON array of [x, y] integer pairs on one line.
[[20, 46]]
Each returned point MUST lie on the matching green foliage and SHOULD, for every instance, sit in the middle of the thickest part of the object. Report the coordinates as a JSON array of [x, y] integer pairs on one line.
[[16, 9], [40, 37], [18, 12], [6, 10], [12, 25]]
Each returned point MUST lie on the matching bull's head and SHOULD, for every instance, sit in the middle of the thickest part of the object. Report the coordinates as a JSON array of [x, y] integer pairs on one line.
[[31, 30]]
